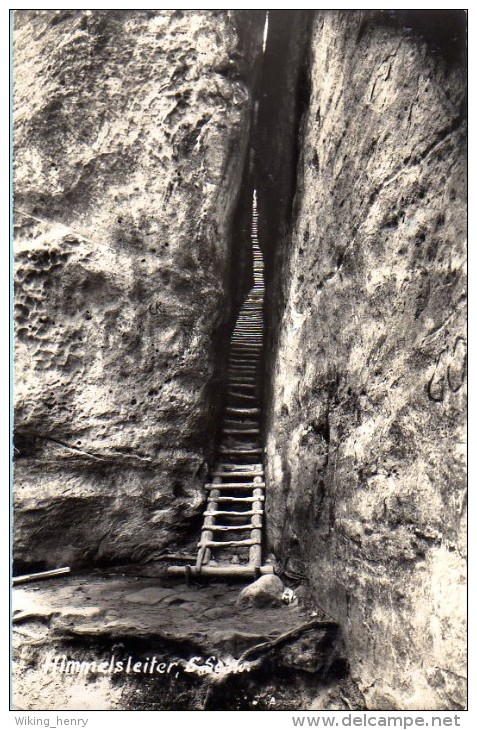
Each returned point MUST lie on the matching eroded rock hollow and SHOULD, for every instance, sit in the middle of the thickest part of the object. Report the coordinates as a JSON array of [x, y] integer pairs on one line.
[[139, 138]]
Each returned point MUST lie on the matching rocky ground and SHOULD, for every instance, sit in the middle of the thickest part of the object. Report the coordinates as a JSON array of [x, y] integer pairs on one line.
[[212, 650]]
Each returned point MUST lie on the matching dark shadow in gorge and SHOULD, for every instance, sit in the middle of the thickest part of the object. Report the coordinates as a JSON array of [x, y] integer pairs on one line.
[[282, 95]]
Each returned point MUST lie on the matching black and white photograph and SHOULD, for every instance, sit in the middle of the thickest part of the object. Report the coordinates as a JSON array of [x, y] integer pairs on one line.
[[239, 404]]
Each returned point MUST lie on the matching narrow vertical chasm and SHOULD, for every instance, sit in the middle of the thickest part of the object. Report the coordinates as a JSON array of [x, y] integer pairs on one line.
[[282, 98], [231, 537], [281, 104], [229, 544], [282, 101], [263, 212], [238, 276]]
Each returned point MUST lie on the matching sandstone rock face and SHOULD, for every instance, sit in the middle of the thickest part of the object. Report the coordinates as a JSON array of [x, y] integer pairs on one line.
[[131, 130], [365, 444]]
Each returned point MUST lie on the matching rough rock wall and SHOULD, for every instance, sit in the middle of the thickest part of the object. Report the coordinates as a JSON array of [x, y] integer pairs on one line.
[[366, 439], [131, 130]]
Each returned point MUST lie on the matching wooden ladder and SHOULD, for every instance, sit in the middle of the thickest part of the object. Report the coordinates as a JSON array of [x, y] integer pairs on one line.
[[232, 530]]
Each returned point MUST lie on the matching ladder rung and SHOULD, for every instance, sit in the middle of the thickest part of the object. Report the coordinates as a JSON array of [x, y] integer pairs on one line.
[[240, 368], [244, 346], [248, 346], [233, 474], [236, 485], [230, 528], [229, 513], [252, 384], [234, 423], [241, 425], [224, 498], [222, 569], [255, 362], [237, 452], [235, 467], [241, 431], [231, 409], [229, 543], [252, 356]]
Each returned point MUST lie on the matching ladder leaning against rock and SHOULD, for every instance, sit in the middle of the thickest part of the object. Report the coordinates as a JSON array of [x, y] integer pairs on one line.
[[232, 530]]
